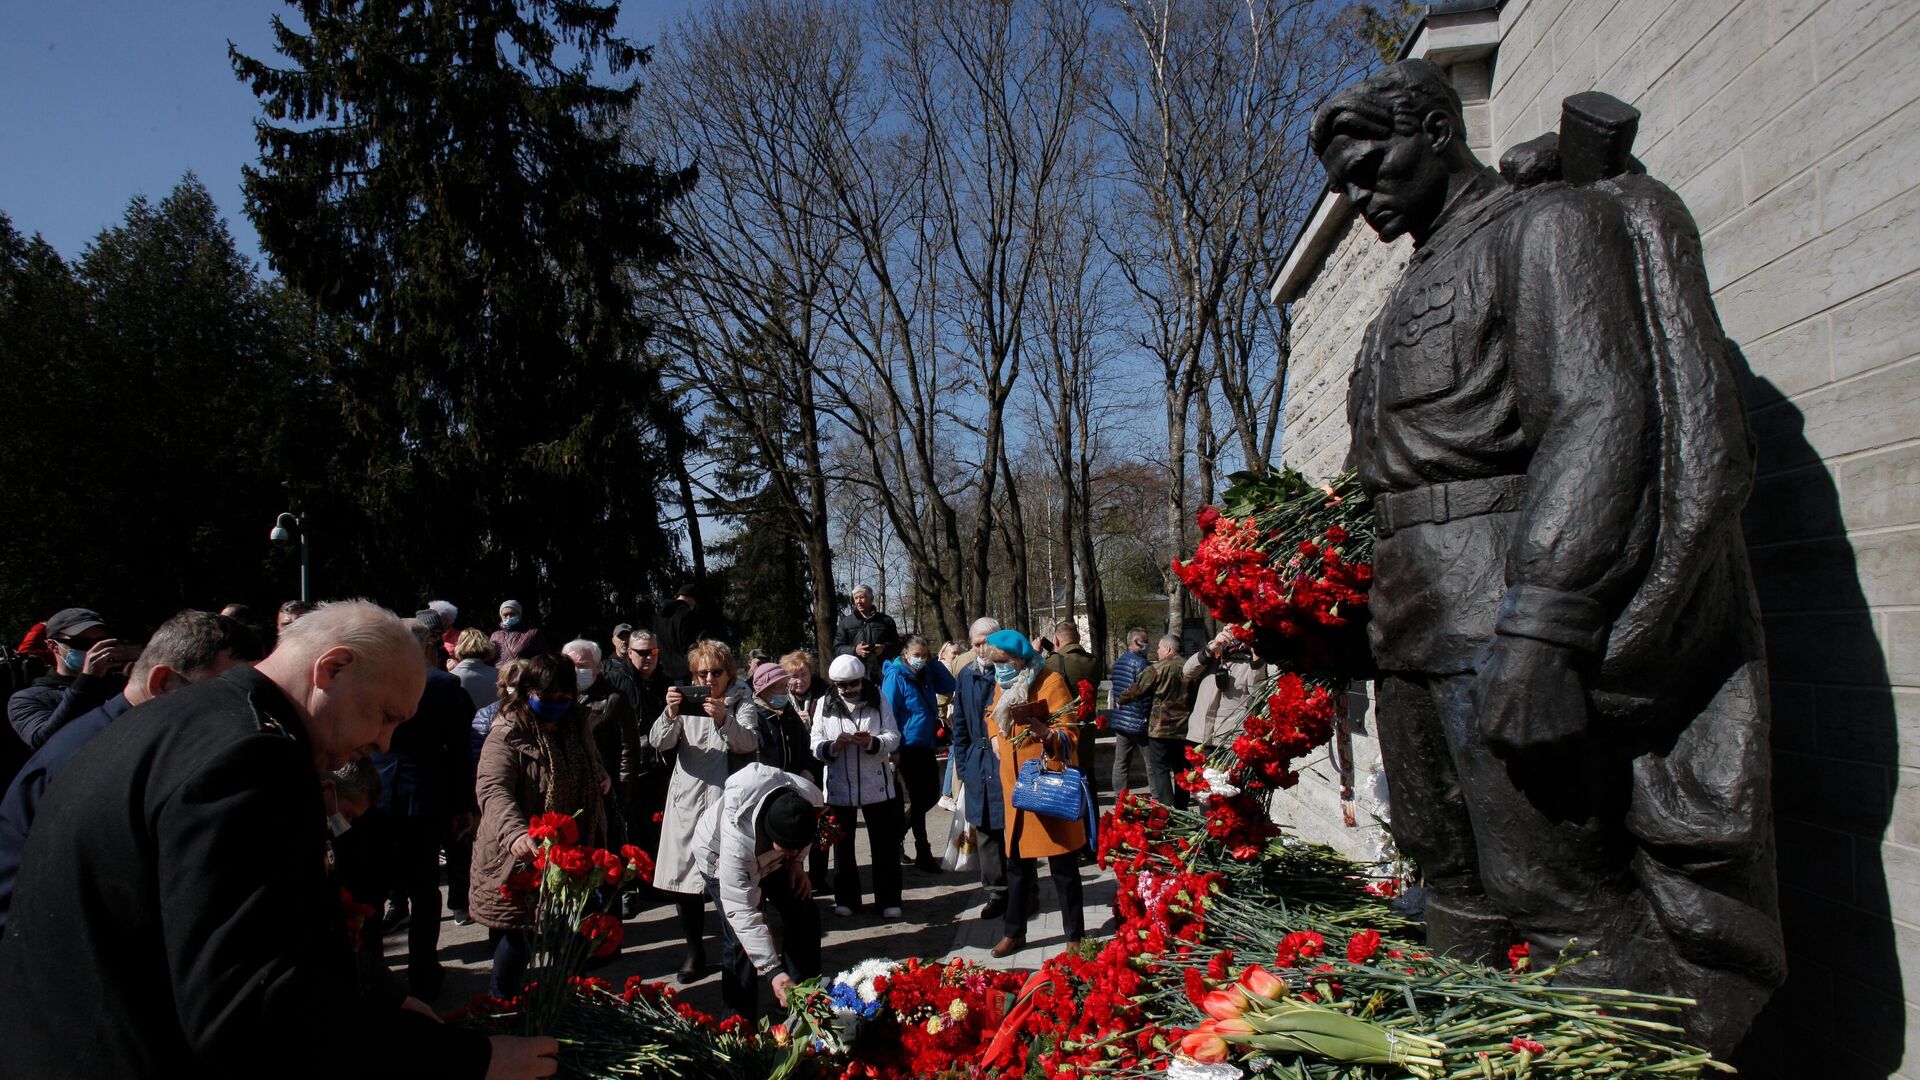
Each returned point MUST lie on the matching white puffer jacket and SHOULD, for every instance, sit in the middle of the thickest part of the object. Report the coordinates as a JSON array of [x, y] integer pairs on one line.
[[855, 776], [728, 846]]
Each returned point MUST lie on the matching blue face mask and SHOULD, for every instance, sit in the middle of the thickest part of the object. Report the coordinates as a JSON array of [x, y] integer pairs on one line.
[[916, 663], [510, 622], [75, 659], [778, 702], [1005, 674], [551, 712]]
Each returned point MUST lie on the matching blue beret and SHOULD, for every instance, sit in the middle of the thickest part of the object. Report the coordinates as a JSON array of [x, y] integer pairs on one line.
[[1013, 643]]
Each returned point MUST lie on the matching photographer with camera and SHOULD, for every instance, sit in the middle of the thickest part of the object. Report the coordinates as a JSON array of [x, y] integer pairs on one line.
[[714, 726], [1226, 673], [89, 666]]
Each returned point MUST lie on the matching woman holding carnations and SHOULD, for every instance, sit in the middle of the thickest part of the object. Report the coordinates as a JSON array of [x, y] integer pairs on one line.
[[854, 733], [1032, 718], [714, 731], [538, 758]]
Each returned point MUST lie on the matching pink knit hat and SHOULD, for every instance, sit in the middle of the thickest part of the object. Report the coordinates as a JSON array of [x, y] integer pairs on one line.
[[767, 675]]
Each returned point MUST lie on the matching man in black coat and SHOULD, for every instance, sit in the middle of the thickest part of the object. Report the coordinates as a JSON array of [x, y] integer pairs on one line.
[[427, 795], [173, 914], [677, 628], [867, 633]]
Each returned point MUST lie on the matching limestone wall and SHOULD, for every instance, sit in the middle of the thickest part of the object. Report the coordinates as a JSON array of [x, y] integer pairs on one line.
[[1792, 128]]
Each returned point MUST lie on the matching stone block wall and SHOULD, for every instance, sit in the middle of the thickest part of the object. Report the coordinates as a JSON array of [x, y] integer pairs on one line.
[[1792, 129]]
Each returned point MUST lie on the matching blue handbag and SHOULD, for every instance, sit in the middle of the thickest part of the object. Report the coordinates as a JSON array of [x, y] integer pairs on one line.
[[1056, 793]]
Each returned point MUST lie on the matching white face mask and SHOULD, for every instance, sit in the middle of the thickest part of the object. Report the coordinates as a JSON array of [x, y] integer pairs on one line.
[[582, 678], [337, 823], [980, 661]]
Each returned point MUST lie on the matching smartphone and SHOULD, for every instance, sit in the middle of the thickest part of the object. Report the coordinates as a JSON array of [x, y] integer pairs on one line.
[[695, 696]]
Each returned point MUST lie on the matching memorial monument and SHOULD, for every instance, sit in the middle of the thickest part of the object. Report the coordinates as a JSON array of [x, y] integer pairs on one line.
[[1572, 691]]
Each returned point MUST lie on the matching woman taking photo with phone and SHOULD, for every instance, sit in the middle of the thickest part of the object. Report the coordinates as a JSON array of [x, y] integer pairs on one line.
[[713, 724]]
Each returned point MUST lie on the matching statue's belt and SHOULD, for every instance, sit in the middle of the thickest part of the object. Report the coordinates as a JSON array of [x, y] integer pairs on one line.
[[1439, 503]]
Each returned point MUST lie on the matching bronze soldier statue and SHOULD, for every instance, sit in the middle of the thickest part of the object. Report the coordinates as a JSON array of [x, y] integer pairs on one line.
[[1572, 692]]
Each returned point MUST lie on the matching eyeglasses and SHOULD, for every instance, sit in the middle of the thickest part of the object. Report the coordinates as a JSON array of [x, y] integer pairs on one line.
[[713, 673], [642, 652]]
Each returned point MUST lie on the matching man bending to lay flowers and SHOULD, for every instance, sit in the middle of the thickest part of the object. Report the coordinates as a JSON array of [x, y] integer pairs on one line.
[[754, 851]]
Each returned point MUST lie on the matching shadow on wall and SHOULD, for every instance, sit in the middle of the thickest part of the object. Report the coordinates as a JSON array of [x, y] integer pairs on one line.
[[1842, 1011]]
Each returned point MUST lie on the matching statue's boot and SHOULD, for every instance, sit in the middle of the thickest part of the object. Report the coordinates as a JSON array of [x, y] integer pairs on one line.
[[1467, 927]]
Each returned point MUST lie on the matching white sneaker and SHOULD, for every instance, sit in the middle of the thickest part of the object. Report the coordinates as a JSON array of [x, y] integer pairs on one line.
[[890, 913], [842, 910]]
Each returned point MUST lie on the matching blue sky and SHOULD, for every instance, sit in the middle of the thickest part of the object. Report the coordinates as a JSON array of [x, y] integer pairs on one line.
[[102, 100]]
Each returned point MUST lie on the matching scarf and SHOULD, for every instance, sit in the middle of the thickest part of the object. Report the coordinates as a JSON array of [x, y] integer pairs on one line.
[[571, 787]]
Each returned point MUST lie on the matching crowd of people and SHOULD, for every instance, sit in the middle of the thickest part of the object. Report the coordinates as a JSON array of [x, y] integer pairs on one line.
[[228, 784]]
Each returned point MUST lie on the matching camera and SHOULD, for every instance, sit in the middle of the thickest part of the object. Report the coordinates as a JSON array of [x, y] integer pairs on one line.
[[694, 696]]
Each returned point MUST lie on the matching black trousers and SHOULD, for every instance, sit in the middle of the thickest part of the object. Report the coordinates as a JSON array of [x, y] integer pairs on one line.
[[920, 772], [991, 848], [883, 839], [799, 943], [1128, 747], [459, 872], [1023, 893], [1165, 759], [418, 875]]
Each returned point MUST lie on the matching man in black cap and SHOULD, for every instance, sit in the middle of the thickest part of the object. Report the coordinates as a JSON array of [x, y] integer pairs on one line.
[[89, 667], [754, 851]]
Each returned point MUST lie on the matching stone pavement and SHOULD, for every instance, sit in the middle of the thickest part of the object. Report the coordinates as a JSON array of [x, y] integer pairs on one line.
[[940, 919]]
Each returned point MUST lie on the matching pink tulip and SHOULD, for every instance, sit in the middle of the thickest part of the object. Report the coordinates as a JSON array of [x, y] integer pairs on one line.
[[1261, 983], [1204, 1046], [1224, 1004]]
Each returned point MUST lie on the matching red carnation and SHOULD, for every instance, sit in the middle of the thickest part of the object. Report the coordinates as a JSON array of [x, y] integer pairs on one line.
[[554, 828], [1518, 959], [612, 864], [574, 861], [1298, 947], [1526, 1046], [1362, 946], [604, 931]]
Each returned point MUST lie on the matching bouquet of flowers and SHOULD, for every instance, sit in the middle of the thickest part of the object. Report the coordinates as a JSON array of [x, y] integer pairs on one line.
[[572, 889], [1287, 563]]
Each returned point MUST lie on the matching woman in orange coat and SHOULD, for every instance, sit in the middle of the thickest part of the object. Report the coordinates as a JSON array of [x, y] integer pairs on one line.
[[1031, 717]]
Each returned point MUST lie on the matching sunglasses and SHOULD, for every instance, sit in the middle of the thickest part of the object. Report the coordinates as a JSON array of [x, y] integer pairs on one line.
[[853, 684], [642, 652], [713, 673]]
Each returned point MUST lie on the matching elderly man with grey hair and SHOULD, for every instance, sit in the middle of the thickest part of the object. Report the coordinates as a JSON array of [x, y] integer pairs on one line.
[[173, 913], [868, 634], [977, 766]]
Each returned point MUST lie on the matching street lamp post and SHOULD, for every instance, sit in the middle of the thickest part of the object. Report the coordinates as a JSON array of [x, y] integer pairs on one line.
[[283, 528]]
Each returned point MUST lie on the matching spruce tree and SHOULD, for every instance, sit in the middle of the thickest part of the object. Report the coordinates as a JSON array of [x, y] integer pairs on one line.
[[449, 177]]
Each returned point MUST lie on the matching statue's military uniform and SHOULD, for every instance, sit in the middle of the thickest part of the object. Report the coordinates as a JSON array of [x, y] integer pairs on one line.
[[1543, 412]]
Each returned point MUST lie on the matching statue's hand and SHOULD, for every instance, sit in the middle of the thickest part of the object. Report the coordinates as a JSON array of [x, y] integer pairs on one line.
[[1528, 695]]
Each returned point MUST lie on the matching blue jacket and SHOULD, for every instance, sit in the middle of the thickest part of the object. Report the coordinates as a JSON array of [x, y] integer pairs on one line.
[[913, 699], [22, 801], [974, 760], [1131, 717]]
